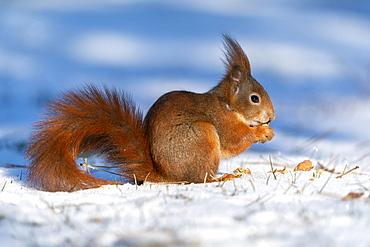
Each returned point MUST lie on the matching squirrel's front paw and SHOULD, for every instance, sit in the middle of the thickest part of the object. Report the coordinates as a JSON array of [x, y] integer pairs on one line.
[[264, 134]]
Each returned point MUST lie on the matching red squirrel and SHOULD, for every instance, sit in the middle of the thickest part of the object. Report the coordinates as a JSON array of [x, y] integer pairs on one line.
[[182, 138]]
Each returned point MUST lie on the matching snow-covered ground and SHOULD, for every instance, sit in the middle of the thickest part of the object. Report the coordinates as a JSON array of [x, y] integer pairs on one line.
[[311, 56]]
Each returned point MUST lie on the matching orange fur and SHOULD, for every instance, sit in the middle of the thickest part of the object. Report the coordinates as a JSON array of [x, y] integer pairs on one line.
[[182, 138]]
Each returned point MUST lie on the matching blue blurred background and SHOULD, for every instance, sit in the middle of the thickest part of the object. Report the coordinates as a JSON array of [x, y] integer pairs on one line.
[[312, 57]]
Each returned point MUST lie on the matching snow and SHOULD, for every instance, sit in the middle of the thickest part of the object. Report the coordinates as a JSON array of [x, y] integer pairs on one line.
[[311, 56], [256, 209]]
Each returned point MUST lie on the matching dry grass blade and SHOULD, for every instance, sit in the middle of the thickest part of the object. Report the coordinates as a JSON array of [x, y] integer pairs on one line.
[[272, 169], [345, 173], [8, 165], [86, 167], [313, 140]]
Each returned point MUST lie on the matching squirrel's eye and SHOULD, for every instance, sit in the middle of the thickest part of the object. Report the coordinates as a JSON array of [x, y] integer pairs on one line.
[[255, 99]]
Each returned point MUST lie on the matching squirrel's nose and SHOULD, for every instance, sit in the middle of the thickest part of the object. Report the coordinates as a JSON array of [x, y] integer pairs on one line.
[[271, 114], [272, 118]]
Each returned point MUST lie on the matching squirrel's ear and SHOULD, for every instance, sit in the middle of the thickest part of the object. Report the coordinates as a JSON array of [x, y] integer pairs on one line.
[[236, 73], [236, 64], [235, 78]]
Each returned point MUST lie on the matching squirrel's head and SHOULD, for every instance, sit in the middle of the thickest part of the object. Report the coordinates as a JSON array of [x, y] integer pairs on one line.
[[242, 93]]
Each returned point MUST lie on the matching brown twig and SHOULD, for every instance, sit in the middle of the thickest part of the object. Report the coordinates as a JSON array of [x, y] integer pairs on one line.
[[345, 173]]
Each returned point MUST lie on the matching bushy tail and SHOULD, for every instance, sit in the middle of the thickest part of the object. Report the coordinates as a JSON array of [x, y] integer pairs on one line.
[[101, 121]]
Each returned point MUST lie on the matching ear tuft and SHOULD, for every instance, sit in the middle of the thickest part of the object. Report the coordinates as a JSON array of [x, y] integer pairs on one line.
[[235, 57]]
